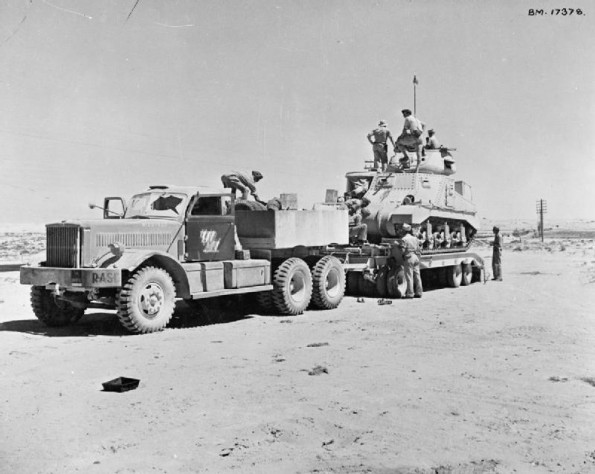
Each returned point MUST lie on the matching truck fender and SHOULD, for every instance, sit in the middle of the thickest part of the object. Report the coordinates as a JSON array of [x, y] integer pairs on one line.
[[131, 259]]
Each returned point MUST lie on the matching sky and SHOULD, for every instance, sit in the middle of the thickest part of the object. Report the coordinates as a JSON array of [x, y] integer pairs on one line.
[[106, 97]]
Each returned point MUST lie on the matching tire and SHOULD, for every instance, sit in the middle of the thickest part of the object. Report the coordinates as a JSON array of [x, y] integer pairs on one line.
[[381, 282], [292, 283], [328, 283], [264, 300], [454, 275], [396, 284], [467, 274], [146, 302], [53, 312], [245, 205], [352, 283]]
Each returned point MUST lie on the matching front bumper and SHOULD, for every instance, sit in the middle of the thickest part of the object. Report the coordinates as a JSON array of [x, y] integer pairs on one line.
[[71, 277]]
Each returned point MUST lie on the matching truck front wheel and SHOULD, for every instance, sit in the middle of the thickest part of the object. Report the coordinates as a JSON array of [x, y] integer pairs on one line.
[[293, 287], [146, 302], [328, 283], [51, 311]]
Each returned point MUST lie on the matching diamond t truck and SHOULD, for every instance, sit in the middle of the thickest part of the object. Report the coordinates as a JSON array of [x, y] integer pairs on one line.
[[173, 242]]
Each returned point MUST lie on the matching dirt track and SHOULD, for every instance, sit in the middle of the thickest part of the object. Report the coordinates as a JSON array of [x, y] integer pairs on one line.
[[489, 378]]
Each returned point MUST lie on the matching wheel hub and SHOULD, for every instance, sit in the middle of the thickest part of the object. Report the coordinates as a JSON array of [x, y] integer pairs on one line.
[[151, 299]]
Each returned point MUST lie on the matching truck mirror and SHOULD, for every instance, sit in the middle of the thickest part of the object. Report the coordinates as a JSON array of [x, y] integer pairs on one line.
[[113, 208]]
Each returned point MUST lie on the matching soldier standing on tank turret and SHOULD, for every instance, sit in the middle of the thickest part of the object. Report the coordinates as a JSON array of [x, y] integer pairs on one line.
[[410, 137], [379, 145], [497, 255]]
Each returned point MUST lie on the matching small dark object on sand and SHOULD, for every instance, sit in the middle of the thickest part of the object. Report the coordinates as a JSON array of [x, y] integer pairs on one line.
[[120, 384], [318, 370], [361, 300], [384, 301]]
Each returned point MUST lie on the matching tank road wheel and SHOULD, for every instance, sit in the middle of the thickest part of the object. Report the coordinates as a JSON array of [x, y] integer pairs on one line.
[[146, 301], [454, 275], [352, 283], [396, 284], [293, 286], [466, 274], [381, 282], [51, 311], [328, 283]]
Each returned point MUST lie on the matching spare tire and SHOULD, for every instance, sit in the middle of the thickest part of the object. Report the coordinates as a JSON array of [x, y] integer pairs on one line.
[[245, 205]]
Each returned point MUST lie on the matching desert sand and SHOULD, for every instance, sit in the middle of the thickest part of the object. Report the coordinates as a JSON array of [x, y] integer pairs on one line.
[[497, 377]]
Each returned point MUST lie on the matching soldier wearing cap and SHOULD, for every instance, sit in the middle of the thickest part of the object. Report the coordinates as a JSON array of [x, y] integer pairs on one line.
[[432, 142], [410, 138], [379, 145], [410, 250], [497, 255], [240, 182]]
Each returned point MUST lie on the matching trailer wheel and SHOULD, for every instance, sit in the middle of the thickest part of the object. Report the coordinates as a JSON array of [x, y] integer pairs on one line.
[[146, 301], [53, 312], [396, 284], [293, 286], [352, 283], [381, 282], [328, 283], [466, 274], [454, 275]]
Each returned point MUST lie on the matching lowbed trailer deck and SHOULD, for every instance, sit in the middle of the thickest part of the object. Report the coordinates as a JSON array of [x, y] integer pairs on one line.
[[377, 270]]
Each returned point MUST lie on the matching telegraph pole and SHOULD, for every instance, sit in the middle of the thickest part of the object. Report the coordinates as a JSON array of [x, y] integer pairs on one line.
[[541, 209]]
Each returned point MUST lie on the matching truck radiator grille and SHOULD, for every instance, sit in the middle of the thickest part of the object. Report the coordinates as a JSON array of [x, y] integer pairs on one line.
[[62, 246]]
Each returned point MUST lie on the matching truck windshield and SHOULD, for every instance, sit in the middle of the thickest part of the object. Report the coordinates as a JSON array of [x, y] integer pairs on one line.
[[156, 205]]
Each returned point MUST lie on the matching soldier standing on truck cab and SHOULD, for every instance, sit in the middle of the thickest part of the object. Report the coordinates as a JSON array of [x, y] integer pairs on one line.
[[410, 249], [240, 182], [497, 255], [379, 145]]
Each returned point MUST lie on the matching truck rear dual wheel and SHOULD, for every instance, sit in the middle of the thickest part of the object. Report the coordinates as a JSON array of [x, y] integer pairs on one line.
[[292, 283], [51, 311], [328, 283], [146, 302]]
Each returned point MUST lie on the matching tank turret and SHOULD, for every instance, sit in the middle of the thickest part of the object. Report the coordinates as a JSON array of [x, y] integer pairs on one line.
[[438, 207]]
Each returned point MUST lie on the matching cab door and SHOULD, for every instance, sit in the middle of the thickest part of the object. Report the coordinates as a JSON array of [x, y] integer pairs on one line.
[[210, 230]]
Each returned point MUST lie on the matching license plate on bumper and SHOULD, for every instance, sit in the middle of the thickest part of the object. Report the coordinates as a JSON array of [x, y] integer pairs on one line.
[[71, 277]]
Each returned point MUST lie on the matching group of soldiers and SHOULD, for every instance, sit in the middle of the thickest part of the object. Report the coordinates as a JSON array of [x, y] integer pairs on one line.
[[409, 141]]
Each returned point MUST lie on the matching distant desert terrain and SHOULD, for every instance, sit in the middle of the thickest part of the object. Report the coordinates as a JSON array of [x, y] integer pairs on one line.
[[496, 377]]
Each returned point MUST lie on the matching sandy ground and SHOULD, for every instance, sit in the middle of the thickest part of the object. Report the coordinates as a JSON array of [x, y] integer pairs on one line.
[[495, 377]]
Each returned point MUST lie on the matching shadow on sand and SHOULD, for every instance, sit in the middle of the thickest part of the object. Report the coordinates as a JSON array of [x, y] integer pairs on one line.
[[106, 323]]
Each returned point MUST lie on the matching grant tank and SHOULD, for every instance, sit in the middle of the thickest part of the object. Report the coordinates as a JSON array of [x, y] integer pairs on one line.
[[439, 208]]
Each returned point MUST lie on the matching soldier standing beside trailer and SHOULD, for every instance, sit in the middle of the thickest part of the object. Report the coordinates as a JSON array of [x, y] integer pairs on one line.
[[411, 252], [497, 255], [379, 145], [240, 182]]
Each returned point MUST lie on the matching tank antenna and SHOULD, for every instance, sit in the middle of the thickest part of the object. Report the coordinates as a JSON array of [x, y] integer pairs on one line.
[[415, 95]]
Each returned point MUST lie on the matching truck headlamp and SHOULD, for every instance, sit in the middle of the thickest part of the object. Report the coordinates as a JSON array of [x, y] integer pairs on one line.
[[117, 249]]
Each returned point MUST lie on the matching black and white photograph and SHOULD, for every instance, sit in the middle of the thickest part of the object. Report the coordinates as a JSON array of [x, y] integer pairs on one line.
[[297, 236]]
